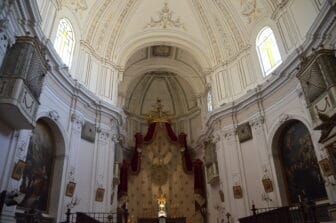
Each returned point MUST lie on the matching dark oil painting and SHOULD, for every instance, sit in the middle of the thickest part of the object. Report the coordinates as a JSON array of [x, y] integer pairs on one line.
[[300, 164], [36, 179]]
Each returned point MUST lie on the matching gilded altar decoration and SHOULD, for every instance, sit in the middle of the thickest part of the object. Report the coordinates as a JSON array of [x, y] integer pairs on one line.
[[162, 202], [160, 177], [158, 114]]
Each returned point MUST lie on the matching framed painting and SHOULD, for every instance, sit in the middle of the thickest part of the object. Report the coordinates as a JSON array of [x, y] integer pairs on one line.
[[100, 194], [237, 192], [18, 170], [244, 132], [268, 186], [326, 167], [70, 189]]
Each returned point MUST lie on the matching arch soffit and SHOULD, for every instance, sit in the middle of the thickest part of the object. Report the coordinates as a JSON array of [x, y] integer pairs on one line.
[[146, 39], [57, 131], [282, 121], [177, 67]]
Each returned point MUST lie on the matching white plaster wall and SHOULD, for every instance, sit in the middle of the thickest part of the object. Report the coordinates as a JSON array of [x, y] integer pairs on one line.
[[6, 134]]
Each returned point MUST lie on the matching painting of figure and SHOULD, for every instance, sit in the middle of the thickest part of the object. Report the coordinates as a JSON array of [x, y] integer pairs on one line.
[[36, 179], [300, 164]]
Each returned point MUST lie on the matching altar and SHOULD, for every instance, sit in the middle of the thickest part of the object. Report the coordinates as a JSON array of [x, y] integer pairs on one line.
[[168, 220], [160, 179]]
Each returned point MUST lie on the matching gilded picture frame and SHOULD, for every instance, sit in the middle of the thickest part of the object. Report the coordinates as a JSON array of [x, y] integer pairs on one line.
[[70, 189], [18, 170], [326, 167], [268, 186], [100, 194], [237, 192]]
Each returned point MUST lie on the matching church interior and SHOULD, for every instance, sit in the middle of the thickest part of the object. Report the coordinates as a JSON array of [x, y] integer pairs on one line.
[[167, 111]]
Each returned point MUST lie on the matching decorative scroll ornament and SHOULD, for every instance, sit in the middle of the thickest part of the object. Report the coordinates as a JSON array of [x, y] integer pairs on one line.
[[165, 19], [249, 9], [76, 5], [158, 114]]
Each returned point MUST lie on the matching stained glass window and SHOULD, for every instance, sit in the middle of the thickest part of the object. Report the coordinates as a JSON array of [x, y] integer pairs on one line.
[[209, 102], [268, 51], [65, 41]]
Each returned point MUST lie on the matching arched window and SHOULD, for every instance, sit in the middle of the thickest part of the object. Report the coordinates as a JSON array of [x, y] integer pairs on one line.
[[65, 41], [268, 51], [209, 100]]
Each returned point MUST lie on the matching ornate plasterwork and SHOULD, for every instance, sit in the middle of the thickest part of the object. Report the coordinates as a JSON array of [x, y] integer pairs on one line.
[[231, 23], [118, 25], [249, 9], [279, 5], [53, 114], [165, 20], [209, 30], [76, 5], [96, 19]]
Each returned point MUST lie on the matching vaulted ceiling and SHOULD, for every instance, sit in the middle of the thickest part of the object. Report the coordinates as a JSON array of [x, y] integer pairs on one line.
[[213, 31]]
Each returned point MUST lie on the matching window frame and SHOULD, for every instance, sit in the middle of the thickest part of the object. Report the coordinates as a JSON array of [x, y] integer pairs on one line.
[[61, 50], [261, 38]]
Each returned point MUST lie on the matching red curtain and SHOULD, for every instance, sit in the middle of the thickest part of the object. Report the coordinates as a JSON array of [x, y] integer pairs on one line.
[[199, 184], [186, 158], [122, 187]]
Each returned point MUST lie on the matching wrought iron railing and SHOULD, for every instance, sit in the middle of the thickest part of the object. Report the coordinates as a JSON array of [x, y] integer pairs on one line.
[[92, 217]]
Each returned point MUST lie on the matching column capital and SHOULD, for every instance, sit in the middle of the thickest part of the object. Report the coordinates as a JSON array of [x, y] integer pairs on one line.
[[77, 121], [257, 122]]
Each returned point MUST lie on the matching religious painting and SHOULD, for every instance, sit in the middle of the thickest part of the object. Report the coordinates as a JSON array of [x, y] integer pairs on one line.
[[237, 192], [244, 132], [18, 170], [70, 189], [268, 186], [300, 166], [100, 194], [326, 167], [37, 174]]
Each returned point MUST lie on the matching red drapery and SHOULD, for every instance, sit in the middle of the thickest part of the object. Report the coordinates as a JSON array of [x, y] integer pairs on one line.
[[181, 140], [122, 187], [199, 185]]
